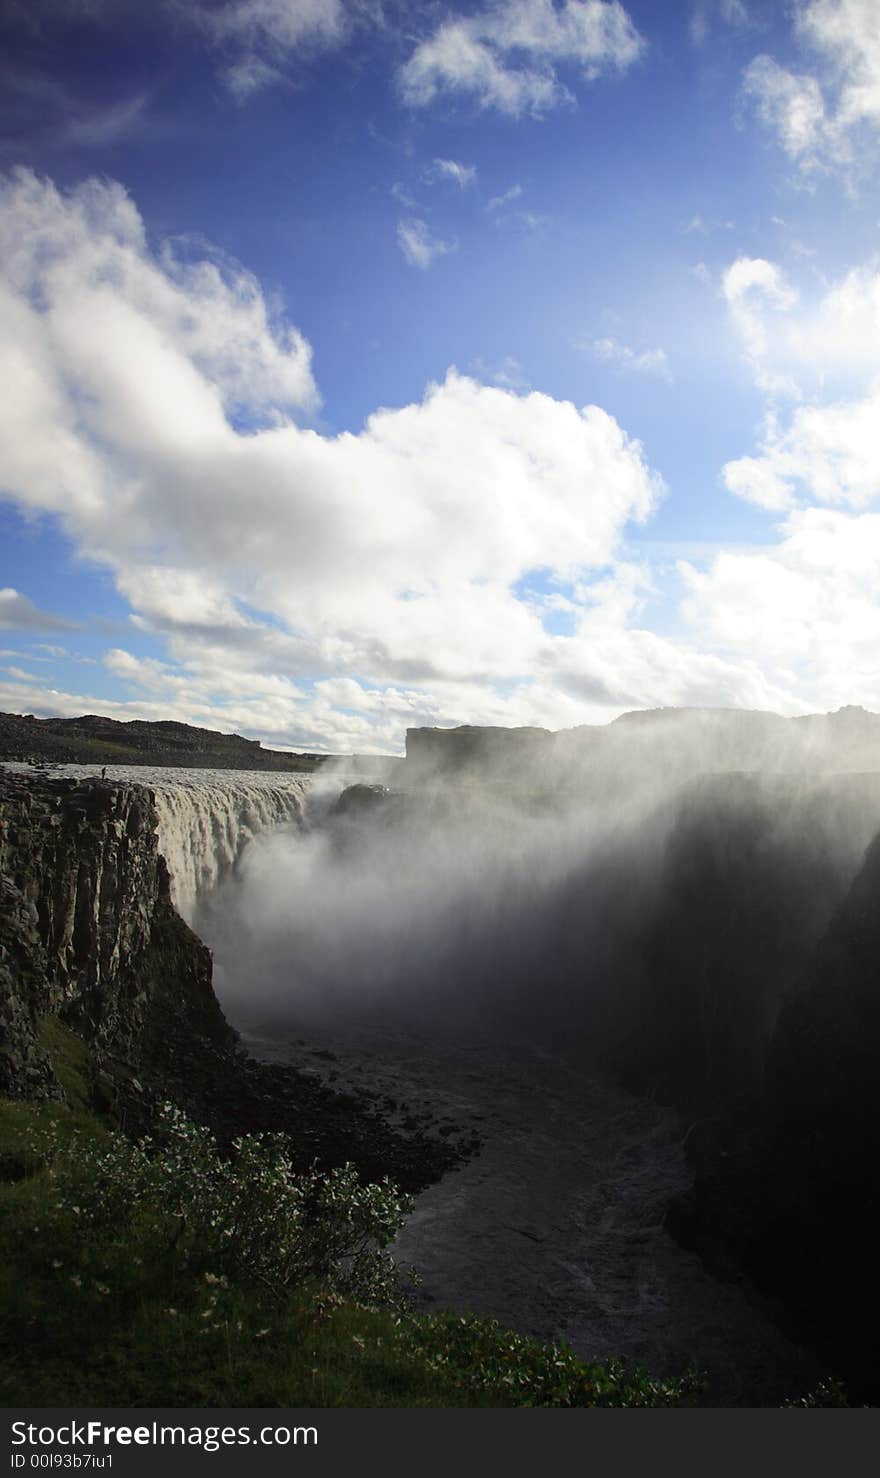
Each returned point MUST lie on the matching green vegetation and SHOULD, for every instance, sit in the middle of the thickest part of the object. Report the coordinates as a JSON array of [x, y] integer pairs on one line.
[[165, 1273], [829, 1392], [71, 1062]]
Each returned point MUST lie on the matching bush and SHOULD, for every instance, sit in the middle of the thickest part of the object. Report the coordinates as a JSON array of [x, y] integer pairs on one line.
[[165, 1273], [250, 1216], [481, 1356]]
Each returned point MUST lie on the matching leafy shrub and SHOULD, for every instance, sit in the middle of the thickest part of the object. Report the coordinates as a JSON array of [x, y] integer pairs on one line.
[[250, 1217], [481, 1356], [829, 1392], [166, 1273]]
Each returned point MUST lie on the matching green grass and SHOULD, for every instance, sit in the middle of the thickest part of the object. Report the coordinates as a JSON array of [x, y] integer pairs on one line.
[[123, 1320], [72, 1062]]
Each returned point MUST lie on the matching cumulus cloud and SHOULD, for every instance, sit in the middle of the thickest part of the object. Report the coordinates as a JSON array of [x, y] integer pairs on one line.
[[150, 405], [19, 613], [419, 245], [829, 453], [806, 609], [790, 103], [508, 55], [825, 355], [798, 341], [325, 591], [822, 116]]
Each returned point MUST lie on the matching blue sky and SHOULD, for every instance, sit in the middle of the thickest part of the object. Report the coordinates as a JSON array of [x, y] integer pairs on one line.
[[373, 365]]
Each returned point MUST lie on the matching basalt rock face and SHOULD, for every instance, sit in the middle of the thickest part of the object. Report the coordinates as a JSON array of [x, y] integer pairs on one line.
[[88, 935], [87, 930]]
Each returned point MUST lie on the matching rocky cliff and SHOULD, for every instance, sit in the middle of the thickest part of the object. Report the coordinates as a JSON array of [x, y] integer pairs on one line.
[[750, 873], [636, 748], [89, 938], [87, 930]]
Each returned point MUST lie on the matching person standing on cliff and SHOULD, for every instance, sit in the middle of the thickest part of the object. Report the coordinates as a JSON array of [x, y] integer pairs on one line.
[[104, 773]]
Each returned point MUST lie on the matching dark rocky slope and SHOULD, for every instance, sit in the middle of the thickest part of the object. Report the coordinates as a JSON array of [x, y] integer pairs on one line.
[[88, 936], [750, 873], [791, 1191], [676, 743], [95, 740]]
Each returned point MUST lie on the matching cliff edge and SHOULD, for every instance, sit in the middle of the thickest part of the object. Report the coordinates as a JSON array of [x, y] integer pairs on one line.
[[89, 938], [88, 933]]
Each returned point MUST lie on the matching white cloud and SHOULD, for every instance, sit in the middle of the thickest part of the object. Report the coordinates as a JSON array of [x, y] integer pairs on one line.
[[17, 612], [262, 35], [507, 56], [801, 341], [829, 449], [792, 104], [418, 245], [285, 24], [268, 557], [203, 324], [846, 33], [828, 453], [257, 41], [631, 361], [806, 610], [748, 274], [755, 290], [250, 74], [757, 481], [326, 591], [499, 201], [825, 117], [450, 169]]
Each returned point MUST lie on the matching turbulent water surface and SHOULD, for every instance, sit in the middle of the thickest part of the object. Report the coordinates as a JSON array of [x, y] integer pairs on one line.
[[556, 1226]]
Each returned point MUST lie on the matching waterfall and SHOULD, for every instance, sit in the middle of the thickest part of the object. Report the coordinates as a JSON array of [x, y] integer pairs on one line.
[[207, 818]]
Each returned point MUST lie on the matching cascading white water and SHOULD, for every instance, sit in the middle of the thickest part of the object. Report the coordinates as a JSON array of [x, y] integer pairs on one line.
[[207, 817]]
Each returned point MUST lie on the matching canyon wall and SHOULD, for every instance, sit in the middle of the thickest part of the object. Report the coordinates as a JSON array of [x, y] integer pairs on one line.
[[89, 937], [790, 1189], [87, 929]]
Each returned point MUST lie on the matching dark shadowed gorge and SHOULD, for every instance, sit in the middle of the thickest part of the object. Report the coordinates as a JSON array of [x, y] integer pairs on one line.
[[617, 987]]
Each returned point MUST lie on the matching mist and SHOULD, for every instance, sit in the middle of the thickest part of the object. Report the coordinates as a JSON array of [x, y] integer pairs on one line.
[[641, 897]]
